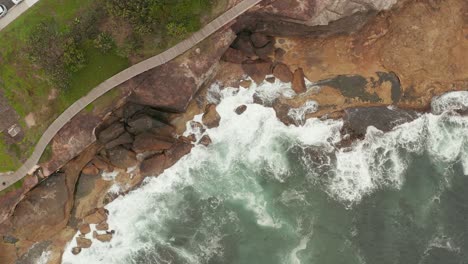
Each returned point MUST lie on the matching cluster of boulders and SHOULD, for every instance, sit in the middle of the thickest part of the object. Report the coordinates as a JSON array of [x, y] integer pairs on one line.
[[98, 218], [259, 58]]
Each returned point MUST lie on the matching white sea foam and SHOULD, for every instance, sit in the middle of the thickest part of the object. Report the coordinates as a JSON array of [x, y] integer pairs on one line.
[[450, 101], [299, 114]]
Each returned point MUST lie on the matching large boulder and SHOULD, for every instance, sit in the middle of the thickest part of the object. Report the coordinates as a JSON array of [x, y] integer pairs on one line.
[[244, 44], [260, 40], [111, 132], [122, 158], [234, 56], [125, 138], [257, 70], [211, 117], [172, 85], [298, 83], [281, 71], [141, 123], [156, 164], [147, 142]]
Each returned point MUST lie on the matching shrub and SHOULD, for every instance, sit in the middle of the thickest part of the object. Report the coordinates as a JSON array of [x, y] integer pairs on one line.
[[104, 42]]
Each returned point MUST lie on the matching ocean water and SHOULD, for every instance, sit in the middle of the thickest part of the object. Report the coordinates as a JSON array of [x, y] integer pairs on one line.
[[266, 193]]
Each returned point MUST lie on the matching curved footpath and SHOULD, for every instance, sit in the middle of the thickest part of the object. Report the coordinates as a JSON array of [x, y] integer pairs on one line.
[[9, 179]]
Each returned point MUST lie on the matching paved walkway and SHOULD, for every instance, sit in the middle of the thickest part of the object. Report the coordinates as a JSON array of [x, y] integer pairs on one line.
[[15, 12], [80, 104]]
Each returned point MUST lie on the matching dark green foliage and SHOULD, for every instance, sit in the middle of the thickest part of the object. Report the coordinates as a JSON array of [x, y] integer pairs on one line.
[[104, 42], [173, 16]]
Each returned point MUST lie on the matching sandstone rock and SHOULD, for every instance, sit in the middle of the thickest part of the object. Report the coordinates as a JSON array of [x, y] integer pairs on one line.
[[154, 165], [179, 150], [146, 142], [141, 123], [101, 164], [279, 54], [122, 158], [298, 83], [102, 237], [245, 83], [191, 138], [282, 72], [240, 109], [244, 44], [76, 250], [260, 40], [266, 51], [84, 229], [112, 132], [96, 217], [234, 56], [123, 139], [205, 140], [90, 169], [171, 86], [257, 70], [211, 117], [102, 226], [82, 242]]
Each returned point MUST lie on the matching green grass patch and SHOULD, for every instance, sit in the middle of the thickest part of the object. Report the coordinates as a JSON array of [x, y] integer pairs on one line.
[[8, 162], [98, 69]]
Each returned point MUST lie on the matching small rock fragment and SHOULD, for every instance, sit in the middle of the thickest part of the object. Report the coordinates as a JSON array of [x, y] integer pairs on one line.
[[82, 242], [76, 250], [211, 117], [84, 229], [240, 109], [205, 140]]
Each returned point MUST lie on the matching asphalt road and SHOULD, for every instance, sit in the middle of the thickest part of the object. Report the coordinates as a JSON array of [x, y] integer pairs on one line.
[[8, 3]]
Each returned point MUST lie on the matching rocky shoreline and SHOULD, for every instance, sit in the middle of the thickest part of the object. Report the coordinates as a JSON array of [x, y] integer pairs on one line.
[[352, 68]]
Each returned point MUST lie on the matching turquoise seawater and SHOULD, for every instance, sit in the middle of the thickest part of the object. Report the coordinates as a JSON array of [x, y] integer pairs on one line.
[[266, 193]]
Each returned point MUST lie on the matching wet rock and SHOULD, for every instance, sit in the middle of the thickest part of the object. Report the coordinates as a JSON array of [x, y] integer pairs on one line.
[[10, 239], [257, 70], [146, 142], [84, 229], [240, 109], [260, 40], [245, 83], [357, 120], [270, 79], [141, 123], [102, 226], [234, 56], [112, 132], [282, 72], [179, 150], [96, 217], [122, 158], [76, 250], [211, 117], [205, 140], [82, 242], [154, 165], [266, 51], [102, 237], [192, 138], [123, 139], [244, 44], [90, 169], [298, 83]]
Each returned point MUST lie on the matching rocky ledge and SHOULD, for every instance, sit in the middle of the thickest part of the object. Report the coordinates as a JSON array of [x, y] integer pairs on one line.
[[343, 58]]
